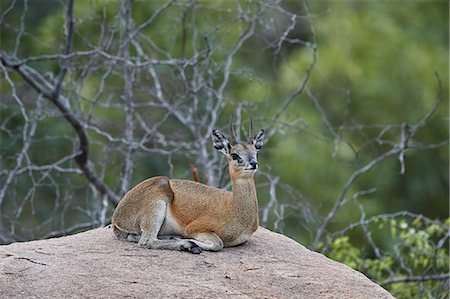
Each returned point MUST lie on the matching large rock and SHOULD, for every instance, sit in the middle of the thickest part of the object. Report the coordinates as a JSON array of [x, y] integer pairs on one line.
[[96, 265]]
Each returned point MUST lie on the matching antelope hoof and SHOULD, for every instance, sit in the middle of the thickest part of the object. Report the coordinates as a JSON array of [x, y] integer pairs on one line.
[[133, 238], [193, 248]]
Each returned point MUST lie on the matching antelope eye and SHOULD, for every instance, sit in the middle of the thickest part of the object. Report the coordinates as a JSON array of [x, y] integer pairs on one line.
[[236, 157]]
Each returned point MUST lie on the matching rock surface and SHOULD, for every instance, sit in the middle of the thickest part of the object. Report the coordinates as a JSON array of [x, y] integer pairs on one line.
[[94, 264]]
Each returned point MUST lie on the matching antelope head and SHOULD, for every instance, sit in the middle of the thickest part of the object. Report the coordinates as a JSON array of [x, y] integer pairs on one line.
[[242, 156]]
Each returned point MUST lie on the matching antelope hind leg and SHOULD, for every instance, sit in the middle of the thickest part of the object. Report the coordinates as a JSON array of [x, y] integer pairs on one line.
[[150, 227], [172, 244], [124, 235], [135, 237], [169, 237]]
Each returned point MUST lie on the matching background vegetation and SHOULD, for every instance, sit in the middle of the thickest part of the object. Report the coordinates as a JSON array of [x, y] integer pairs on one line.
[[99, 95]]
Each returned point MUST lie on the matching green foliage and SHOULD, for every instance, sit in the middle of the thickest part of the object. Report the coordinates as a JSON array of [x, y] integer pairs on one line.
[[341, 250], [418, 248]]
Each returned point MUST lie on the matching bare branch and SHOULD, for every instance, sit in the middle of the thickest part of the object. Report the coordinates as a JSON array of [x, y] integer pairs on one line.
[[397, 149], [301, 87], [7, 11], [127, 97], [415, 279], [69, 33], [82, 158]]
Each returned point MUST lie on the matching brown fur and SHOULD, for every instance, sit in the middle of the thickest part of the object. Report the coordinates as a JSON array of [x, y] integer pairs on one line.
[[206, 217], [133, 207]]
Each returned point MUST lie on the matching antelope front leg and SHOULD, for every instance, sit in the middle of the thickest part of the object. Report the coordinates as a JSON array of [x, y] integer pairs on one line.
[[207, 241]]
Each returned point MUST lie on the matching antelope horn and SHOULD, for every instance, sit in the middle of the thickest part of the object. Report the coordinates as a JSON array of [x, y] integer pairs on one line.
[[233, 134], [250, 131]]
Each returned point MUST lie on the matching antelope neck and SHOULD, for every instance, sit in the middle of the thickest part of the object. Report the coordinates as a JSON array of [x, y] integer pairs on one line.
[[244, 199]]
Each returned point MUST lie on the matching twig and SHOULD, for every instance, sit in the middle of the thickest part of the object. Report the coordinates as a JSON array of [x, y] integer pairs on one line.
[[415, 279], [69, 33]]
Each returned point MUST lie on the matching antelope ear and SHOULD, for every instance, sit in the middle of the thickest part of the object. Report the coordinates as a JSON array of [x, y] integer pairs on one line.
[[220, 142], [258, 140]]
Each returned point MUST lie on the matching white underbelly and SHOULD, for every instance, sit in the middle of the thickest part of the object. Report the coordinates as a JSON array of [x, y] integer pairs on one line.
[[170, 225]]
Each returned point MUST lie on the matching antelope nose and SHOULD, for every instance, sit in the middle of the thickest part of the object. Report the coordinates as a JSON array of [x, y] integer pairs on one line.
[[253, 164]]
